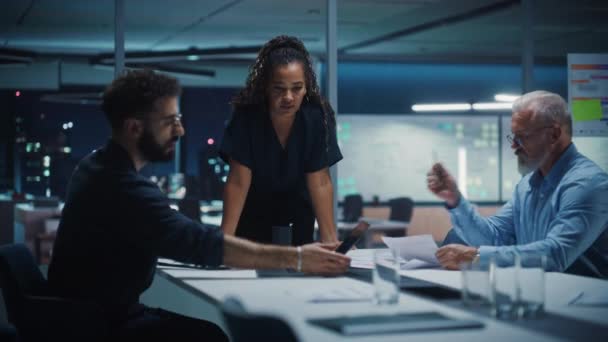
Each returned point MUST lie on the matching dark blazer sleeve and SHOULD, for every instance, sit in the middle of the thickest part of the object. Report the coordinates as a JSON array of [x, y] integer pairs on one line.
[[236, 143], [164, 231], [323, 150]]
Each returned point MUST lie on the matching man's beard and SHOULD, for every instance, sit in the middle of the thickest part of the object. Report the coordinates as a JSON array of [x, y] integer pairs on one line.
[[154, 152], [525, 165]]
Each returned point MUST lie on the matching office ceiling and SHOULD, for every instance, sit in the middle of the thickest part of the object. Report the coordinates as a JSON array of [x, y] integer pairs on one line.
[[474, 31], [86, 27]]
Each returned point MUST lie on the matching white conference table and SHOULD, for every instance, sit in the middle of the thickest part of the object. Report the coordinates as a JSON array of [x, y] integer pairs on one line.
[[290, 299]]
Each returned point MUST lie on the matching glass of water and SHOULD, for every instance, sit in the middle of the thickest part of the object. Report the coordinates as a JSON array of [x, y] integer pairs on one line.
[[385, 276], [476, 289], [531, 282], [505, 287]]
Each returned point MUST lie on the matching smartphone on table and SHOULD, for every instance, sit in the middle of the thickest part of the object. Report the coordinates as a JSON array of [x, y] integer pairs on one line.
[[353, 236]]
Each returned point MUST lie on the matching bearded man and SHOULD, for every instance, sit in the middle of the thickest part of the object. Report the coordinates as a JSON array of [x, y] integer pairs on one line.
[[559, 208], [116, 223]]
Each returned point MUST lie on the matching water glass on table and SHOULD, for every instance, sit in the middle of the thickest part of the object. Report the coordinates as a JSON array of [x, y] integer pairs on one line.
[[504, 297], [531, 282], [476, 289], [385, 276]]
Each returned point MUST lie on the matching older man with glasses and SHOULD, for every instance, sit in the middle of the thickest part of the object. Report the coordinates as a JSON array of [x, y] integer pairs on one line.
[[559, 208]]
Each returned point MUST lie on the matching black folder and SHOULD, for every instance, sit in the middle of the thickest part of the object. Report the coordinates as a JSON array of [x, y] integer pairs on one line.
[[398, 323]]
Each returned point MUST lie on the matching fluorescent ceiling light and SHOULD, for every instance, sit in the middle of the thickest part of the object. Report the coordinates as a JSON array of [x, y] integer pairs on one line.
[[492, 105], [506, 97], [436, 107]]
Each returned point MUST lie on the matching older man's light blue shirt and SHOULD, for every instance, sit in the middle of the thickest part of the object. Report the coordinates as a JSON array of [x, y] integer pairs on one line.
[[563, 216]]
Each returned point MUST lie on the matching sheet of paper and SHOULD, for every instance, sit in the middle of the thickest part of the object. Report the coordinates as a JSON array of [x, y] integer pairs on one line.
[[364, 258], [413, 264], [361, 258], [421, 247], [167, 263], [211, 274], [343, 294]]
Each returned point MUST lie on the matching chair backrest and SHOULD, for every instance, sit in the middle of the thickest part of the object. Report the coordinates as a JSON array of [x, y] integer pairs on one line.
[[34, 312], [8, 333], [244, 326], [401, 209], [352, 208], [19, 277]]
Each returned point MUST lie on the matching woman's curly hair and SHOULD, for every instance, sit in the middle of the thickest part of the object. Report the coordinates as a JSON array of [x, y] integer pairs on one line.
[[280, 50]]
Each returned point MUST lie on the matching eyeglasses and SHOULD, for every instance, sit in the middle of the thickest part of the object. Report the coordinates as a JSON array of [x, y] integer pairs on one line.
[[173, 120], [169, 120], [519, 138]]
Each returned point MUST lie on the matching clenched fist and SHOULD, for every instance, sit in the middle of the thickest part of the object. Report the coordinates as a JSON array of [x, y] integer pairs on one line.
[[442, 184]]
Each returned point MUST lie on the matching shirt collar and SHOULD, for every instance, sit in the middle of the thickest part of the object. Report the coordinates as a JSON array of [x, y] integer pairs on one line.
[[558, 169], [118, 155]]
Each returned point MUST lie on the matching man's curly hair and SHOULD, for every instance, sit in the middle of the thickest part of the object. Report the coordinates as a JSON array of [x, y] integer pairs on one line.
[[134, 93]]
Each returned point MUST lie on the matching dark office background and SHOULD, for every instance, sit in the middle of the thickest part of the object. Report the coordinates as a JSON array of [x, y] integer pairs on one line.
[[366, 88]]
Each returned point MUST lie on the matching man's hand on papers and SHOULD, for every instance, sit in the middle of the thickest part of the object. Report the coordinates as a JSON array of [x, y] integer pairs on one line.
[[442, 184], [320, 258], [452, 255]]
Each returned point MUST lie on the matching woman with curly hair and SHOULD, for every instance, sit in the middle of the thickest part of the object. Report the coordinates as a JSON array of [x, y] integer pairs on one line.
[[280, 144]]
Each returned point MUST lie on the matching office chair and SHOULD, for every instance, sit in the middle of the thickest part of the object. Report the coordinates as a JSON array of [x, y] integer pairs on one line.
[[35, 313], [8, 333], [352, 208], [244, 326], [401, 209]]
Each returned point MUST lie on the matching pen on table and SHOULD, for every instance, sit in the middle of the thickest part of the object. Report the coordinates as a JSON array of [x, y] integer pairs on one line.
[[576, 298], [338, 300]]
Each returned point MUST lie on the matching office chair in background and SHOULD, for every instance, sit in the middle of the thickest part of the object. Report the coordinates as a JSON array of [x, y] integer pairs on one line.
[[8, 333], [352, 208], [34, 311], [401, 209]]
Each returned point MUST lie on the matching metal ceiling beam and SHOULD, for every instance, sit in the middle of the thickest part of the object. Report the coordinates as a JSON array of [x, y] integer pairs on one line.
[[331, 49], [174, 69], [441, 22], [177, 55], [17, 56], [119, 37], [442, 59], [527, 56]]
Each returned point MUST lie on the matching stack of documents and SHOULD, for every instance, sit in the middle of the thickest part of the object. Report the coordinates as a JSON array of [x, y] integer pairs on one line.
[[415, 251], [418, 251]]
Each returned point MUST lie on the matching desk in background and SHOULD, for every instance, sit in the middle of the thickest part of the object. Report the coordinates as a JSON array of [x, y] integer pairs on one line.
[[36, 226], [378, 228]]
